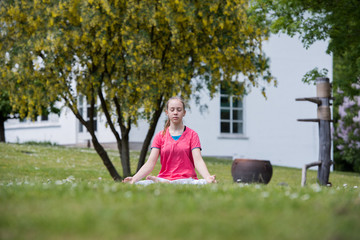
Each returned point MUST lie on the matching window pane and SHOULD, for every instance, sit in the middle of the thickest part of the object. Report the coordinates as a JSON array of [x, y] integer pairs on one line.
[[237, 103], [237, 115], [225, 114], [225, 102], [81, 112], [95, 125], [237, 127], [225, 127], [81, 129], [81, 100]]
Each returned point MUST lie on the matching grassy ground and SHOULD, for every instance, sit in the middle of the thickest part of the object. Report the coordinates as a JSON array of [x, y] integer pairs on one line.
[[51, 192]]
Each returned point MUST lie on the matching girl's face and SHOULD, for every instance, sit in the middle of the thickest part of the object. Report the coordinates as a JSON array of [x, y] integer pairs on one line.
[[175, 111]]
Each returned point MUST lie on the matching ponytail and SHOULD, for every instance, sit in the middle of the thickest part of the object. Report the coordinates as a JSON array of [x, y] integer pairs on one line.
[[167, 125]]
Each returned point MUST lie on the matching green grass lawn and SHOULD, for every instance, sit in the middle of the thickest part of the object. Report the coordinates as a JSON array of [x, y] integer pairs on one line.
[[50, 192]]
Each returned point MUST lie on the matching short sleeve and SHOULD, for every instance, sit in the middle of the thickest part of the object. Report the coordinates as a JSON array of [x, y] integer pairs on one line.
[[157, 142], [195, 141]]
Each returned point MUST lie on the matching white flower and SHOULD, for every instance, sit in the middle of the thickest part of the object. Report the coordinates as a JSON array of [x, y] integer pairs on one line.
[[345, 185], [241, 185], [316, 188], [265, 194], [58, 182], [128, 194], [294, 195], [305, 197], [69, 179], [157, 192]]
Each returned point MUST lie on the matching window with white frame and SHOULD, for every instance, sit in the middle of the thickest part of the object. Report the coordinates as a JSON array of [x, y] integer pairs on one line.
[[231, 114], [42, 118], [84, 110]]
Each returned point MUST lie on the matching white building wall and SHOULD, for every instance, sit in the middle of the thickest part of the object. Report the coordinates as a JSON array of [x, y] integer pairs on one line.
[[60, 130]]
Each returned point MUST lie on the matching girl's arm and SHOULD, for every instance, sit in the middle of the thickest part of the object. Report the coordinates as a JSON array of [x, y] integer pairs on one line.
[[201, 166], [146, 168]]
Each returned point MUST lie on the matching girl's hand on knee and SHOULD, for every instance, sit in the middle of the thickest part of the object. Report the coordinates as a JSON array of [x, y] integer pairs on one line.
[[211, 179], [128, 180]]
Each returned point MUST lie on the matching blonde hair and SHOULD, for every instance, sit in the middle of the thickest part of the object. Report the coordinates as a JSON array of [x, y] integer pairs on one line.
[[167, 124]]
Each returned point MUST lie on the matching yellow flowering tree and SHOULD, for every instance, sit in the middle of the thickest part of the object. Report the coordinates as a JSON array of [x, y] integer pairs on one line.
[[128, 56]]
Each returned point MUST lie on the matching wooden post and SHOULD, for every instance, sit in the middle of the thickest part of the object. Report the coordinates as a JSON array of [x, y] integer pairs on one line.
[[324, 115], [322, 99]]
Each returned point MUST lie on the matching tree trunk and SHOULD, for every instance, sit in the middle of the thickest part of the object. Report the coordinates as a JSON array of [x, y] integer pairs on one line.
[[105, 158], [123, 145], [2, 129], [98, 147], [150, 134], [125, 155], [105, 109]]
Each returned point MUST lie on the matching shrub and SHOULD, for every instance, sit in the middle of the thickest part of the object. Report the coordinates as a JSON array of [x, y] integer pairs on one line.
[[347, 134], [41, 143]]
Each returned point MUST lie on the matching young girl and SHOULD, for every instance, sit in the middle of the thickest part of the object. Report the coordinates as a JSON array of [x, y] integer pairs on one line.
[[179, 149]]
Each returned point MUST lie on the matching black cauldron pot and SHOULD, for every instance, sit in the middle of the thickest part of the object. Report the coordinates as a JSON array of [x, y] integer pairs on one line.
[[251, 171]]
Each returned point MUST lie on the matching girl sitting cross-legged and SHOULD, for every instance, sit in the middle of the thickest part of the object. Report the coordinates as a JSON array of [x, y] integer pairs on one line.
[[179, 149]]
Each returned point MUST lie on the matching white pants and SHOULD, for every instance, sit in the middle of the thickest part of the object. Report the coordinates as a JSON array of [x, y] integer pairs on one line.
[[177, 181]]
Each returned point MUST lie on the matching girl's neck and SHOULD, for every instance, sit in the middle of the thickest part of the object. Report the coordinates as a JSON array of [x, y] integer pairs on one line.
[[176, 129]]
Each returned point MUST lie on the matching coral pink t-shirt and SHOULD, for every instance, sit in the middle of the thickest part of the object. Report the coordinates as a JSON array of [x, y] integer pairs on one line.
[[176, 156]]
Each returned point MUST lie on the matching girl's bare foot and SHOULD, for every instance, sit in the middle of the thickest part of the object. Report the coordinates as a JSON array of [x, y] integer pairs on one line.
[[157, 180], [153, 178]]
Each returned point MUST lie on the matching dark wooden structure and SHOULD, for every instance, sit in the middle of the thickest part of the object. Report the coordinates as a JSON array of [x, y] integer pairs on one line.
[[322, 99]]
